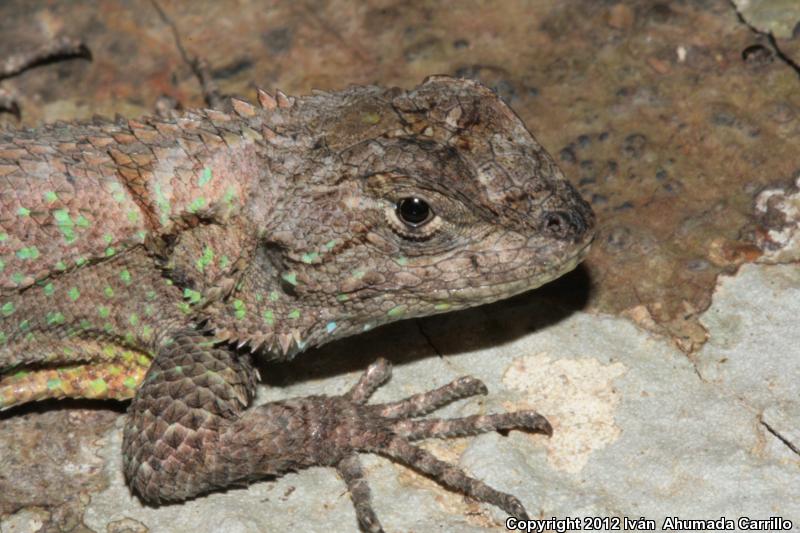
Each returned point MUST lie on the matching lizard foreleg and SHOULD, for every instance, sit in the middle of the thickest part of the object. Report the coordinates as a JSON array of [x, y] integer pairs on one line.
[[190, 431]]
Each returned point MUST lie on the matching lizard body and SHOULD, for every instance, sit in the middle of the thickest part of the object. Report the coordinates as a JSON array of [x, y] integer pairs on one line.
[[151, 258]]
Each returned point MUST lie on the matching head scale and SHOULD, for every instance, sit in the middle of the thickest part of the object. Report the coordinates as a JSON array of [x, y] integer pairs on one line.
[[392, 204]]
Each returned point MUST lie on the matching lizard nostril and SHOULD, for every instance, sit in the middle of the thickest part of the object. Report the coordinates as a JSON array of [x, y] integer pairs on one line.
[[554, 223], [562, 225]]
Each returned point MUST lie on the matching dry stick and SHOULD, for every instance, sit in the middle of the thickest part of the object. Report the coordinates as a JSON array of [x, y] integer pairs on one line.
[[56, 50], [8, 104], [199, 67]]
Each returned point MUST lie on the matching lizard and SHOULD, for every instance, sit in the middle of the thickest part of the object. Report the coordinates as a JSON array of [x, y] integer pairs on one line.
[[157, 259]]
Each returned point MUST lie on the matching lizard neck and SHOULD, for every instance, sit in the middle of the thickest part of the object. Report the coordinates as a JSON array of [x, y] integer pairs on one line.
[[219, 216], [209, 181]]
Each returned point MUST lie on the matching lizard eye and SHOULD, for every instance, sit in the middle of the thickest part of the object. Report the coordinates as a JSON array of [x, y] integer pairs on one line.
[[414, 211]]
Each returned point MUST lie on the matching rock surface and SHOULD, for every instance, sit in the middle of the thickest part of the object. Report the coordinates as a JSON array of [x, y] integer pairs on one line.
[[669, 376]]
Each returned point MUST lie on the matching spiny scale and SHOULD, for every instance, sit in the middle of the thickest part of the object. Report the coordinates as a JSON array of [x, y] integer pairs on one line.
[[187, 243], [266, 100]]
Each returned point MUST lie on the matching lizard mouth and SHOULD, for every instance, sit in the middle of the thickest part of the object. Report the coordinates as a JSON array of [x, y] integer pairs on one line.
[[525, 281]]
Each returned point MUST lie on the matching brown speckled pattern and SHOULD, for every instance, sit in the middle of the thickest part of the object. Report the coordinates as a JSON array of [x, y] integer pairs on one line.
[[270, 229]]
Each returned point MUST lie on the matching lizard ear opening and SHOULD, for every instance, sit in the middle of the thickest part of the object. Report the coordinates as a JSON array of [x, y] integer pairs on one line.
[[273, 271]]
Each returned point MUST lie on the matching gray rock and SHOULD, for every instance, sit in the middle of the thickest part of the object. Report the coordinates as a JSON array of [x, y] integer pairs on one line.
[[639, 429]]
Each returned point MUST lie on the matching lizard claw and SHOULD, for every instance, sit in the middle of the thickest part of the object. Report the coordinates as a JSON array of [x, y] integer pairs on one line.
[[389, 429], [373, 377]]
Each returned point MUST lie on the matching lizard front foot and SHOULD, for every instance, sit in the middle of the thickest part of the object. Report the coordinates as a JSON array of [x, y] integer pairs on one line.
[[190, 430], [392, 427]]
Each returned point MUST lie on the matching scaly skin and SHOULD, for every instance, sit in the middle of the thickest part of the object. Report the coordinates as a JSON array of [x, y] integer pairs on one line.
[[177, 248]]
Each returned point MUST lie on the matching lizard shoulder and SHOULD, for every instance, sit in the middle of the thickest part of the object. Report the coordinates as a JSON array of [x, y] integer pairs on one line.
[[79, 193]]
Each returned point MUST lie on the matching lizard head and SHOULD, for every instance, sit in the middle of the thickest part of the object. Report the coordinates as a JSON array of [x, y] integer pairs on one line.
[[409, 203]]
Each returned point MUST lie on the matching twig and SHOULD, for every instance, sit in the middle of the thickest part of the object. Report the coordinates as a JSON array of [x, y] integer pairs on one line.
[[199, 67], [57, 50]]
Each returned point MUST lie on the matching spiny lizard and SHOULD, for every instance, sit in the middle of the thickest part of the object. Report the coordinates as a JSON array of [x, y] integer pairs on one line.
[[153, 259]]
